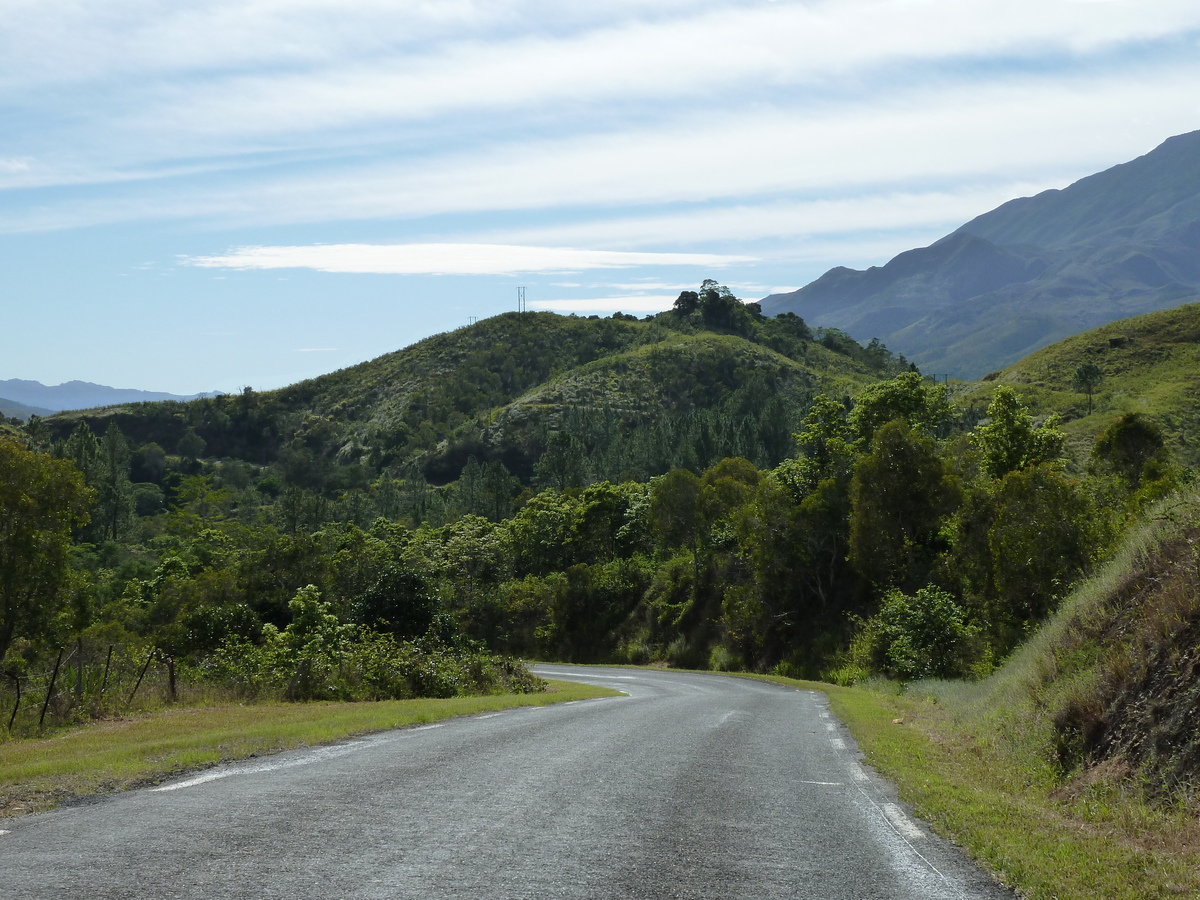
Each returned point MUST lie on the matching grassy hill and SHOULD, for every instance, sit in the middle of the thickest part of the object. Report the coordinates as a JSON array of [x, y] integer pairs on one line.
[[1151, 365], [496, 390]]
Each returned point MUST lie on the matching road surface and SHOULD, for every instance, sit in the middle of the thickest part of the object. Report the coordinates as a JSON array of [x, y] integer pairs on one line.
[[691, 786]]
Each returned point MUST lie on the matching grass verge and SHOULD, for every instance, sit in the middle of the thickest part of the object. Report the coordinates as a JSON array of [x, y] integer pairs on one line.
[[1097, 841], [119, 754]]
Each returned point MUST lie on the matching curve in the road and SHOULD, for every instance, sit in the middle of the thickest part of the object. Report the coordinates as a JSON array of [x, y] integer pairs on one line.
[[695, 786]]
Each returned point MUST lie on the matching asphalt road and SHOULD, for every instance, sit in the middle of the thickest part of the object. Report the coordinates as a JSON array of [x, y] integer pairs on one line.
[[692, 786]]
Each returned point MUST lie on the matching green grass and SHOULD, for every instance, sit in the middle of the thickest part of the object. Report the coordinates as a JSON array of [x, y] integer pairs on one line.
[[1151, 365], [1091, 841], [119, 754], [1001, 767]]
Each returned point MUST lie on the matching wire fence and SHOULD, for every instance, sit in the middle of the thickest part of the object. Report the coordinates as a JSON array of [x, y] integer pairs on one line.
[[84, 680]]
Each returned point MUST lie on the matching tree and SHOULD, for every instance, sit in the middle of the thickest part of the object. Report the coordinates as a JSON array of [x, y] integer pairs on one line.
[[686, 302], [114, 491], [1040, 541], [1010, 441], [899, 495], [41, 500], [469, 487], [826, 448], [676, 509], [191, 445], [908, 396], [83, 449], [1086, 379], [924, 636], [563, 464], [1129, 445], [499, 487], [400, 602]]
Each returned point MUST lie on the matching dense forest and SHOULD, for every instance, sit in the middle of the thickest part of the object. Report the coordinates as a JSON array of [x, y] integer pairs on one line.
[[703, 488]]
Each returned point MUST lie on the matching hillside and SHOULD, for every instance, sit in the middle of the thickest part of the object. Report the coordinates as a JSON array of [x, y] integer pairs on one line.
[[497, 389], [1035, 270], [1150, 364], [1105, 693], [14, 410]]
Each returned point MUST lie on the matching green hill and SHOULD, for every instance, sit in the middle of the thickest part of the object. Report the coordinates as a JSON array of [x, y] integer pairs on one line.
[[1150, 365], [497, 390]]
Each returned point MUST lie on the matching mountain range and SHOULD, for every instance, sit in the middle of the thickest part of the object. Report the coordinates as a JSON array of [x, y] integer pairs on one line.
[[1035, 270], [22, 398]]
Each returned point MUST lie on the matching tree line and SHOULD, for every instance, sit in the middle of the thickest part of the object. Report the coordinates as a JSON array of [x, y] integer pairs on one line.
[[891, 533]]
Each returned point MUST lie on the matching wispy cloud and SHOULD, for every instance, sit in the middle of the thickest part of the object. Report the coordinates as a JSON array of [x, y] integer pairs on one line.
[[641, 141], [939, 140], [449, 259]]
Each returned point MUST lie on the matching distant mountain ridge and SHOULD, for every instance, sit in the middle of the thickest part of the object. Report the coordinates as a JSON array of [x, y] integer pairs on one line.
[[13, 410], [1123, 242], [78, 395]]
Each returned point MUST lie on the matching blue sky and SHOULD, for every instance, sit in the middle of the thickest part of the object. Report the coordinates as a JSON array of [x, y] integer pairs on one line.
[[223, 193]]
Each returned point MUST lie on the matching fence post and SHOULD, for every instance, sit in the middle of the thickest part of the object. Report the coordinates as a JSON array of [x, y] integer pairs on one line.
[[107, 663], [50, 690], [149, 659], [16, 679]]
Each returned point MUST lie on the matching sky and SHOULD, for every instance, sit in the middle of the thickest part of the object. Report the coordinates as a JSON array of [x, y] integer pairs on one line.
[[230, 193]]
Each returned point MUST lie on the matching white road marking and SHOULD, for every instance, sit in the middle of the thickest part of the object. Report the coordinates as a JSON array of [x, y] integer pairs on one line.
[[192, 782], [901, 822], [859, 775], [831, 726], [5, 832], [838, 743], [317, 755], [824, 783], [488, 716], [430, 725]]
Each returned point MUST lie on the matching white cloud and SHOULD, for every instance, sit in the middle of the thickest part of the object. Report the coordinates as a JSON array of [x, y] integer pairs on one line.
[[271, 67], [941, 136], [448, 259], [936, 156], [786, 220]]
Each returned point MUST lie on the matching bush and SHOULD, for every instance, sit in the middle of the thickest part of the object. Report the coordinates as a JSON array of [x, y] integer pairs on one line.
[[924, 636], [318, 658]]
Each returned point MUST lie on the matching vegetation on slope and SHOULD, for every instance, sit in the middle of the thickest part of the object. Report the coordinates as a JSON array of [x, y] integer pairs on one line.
[[1074, 770], [1149, 365], [700, 491], [427, 409]]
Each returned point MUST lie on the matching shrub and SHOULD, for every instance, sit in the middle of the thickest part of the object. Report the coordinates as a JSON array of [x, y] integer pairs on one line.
[[924, 636]]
